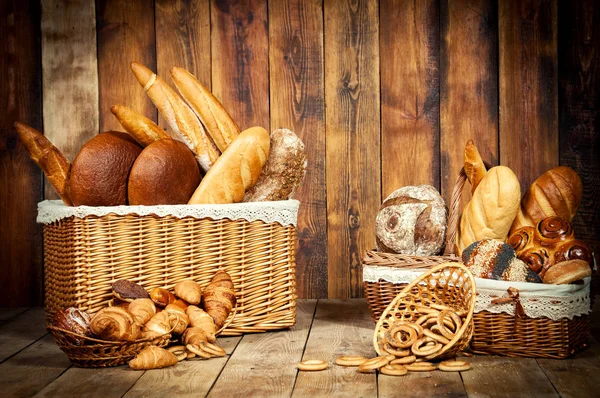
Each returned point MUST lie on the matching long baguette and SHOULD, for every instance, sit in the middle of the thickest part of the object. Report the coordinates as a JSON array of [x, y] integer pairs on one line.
[[474, 166], [236, 170], [182, 120], [142, 129], [52, 162], [215, 118]]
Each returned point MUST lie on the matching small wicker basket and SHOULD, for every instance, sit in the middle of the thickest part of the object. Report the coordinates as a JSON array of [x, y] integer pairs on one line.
[[497, 334], [451, 285], [84, 255]]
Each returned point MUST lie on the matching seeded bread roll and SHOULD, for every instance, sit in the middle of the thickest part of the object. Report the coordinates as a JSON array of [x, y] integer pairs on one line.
[[284, 171], [412, 221]]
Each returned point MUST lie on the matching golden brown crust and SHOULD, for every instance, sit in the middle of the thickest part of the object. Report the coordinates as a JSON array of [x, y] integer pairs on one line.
[[474, 166], [236, 170], [165, 173], [53, 163], [153, 357], [567, 272], [142, 129], [115, 324], [213, 115]]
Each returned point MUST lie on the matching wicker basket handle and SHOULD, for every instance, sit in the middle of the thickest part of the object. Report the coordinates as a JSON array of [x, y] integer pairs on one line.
[[454, 212]]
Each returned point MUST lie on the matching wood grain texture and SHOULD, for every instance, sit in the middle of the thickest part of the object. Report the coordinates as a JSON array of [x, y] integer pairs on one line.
[[189, 378], [339, 328], [183, 40], [469, 85], [492, 376], [423, 384], [33, 368], [575, 376], [70, 76], [264, 365], [410, 127], [21, 332], [125, 34], [240, 59], [6, 314], [579, 102], [528, 87], [353, 139], [297, 87], [20, 179]]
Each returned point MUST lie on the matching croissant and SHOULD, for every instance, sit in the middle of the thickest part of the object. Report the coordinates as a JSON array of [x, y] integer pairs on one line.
[[159, 323], [115, 323], [181, 304], [199, 318], [194, 335], [219, 298], [189, 291], [177, 318], [162, 297], [153, 357], [143, 310]]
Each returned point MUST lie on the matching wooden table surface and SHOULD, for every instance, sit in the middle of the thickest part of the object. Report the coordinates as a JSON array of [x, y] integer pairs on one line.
[[264, 365]]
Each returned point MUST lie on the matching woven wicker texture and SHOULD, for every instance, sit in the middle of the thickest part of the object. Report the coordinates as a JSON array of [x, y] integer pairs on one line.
[[451, 285], [496, 334], [84, 256], [96, 353]]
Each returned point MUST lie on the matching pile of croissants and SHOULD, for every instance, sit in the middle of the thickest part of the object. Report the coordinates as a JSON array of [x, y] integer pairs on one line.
[[135, 314], [203, 157]]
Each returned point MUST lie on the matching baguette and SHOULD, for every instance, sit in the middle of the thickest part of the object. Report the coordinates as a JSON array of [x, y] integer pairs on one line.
[[183, 122], [492, 209], [557, 192], [215, 118], [52, 162], [142, 129], [474, 167], [236, 170]]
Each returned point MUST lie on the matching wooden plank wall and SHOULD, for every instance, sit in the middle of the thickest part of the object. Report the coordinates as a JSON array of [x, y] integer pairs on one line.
[[383, 93]]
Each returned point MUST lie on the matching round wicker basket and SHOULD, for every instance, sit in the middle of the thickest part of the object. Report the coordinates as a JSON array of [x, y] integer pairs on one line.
[[449, 284]]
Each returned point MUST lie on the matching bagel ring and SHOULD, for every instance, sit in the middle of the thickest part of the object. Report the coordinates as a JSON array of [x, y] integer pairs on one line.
[[394, 370], [179, 351], [194, 348], [397, 352], [404, 361], [373, 364], [454, 366], [418, 328], [419, 350], [436, 337], [350, 360], [424, 318], [440, 323], [421, 367], [312, 365], [212, 349], [397, 342]]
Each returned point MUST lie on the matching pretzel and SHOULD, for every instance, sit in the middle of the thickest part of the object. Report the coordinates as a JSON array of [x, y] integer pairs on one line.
[[397, 342], [421, 367], [436, 337], [394, 370], [312, 365], [350, 360], [454, 366], [404, 361], [422, 349], [394, 351], [194, 348], [373, 364]]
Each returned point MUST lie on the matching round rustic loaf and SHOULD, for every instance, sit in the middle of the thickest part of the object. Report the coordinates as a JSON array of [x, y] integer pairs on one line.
[[100, 170], [412, 221], [165, 173]]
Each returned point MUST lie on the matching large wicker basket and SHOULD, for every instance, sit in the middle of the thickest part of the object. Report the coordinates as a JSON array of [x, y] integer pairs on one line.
[[498, 334], [85, 255]]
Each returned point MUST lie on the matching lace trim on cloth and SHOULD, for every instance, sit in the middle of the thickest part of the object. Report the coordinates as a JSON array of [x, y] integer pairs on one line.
[[538, 300], [284, 212]]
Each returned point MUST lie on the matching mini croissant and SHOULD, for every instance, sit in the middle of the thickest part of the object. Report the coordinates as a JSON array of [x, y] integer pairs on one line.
[[194, 335], [189, 291], [143, 310], [219, 298], [177, 318], [153, 357], [115, 324], [159, 323], [199, 318]]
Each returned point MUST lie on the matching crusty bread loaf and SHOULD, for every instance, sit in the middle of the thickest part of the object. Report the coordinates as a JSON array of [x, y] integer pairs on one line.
[[184, 124], [284, 171], [53, 163], [474, 167], [101, 168], [236, 170], [557, 192], [142, 129], [165, 173], [567, 272], [492, 209], [215, 118]]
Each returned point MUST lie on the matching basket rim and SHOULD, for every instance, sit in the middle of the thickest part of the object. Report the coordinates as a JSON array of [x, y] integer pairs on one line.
[[101, 342], [458, 335]]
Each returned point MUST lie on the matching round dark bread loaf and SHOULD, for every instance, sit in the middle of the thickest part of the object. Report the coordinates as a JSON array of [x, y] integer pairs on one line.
[[494, 259], [100, 170], [165, 173], [412, 221]]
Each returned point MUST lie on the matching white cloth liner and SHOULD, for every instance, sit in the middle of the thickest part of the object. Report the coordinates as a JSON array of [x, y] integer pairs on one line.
[[284, 212], [538, 299]]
